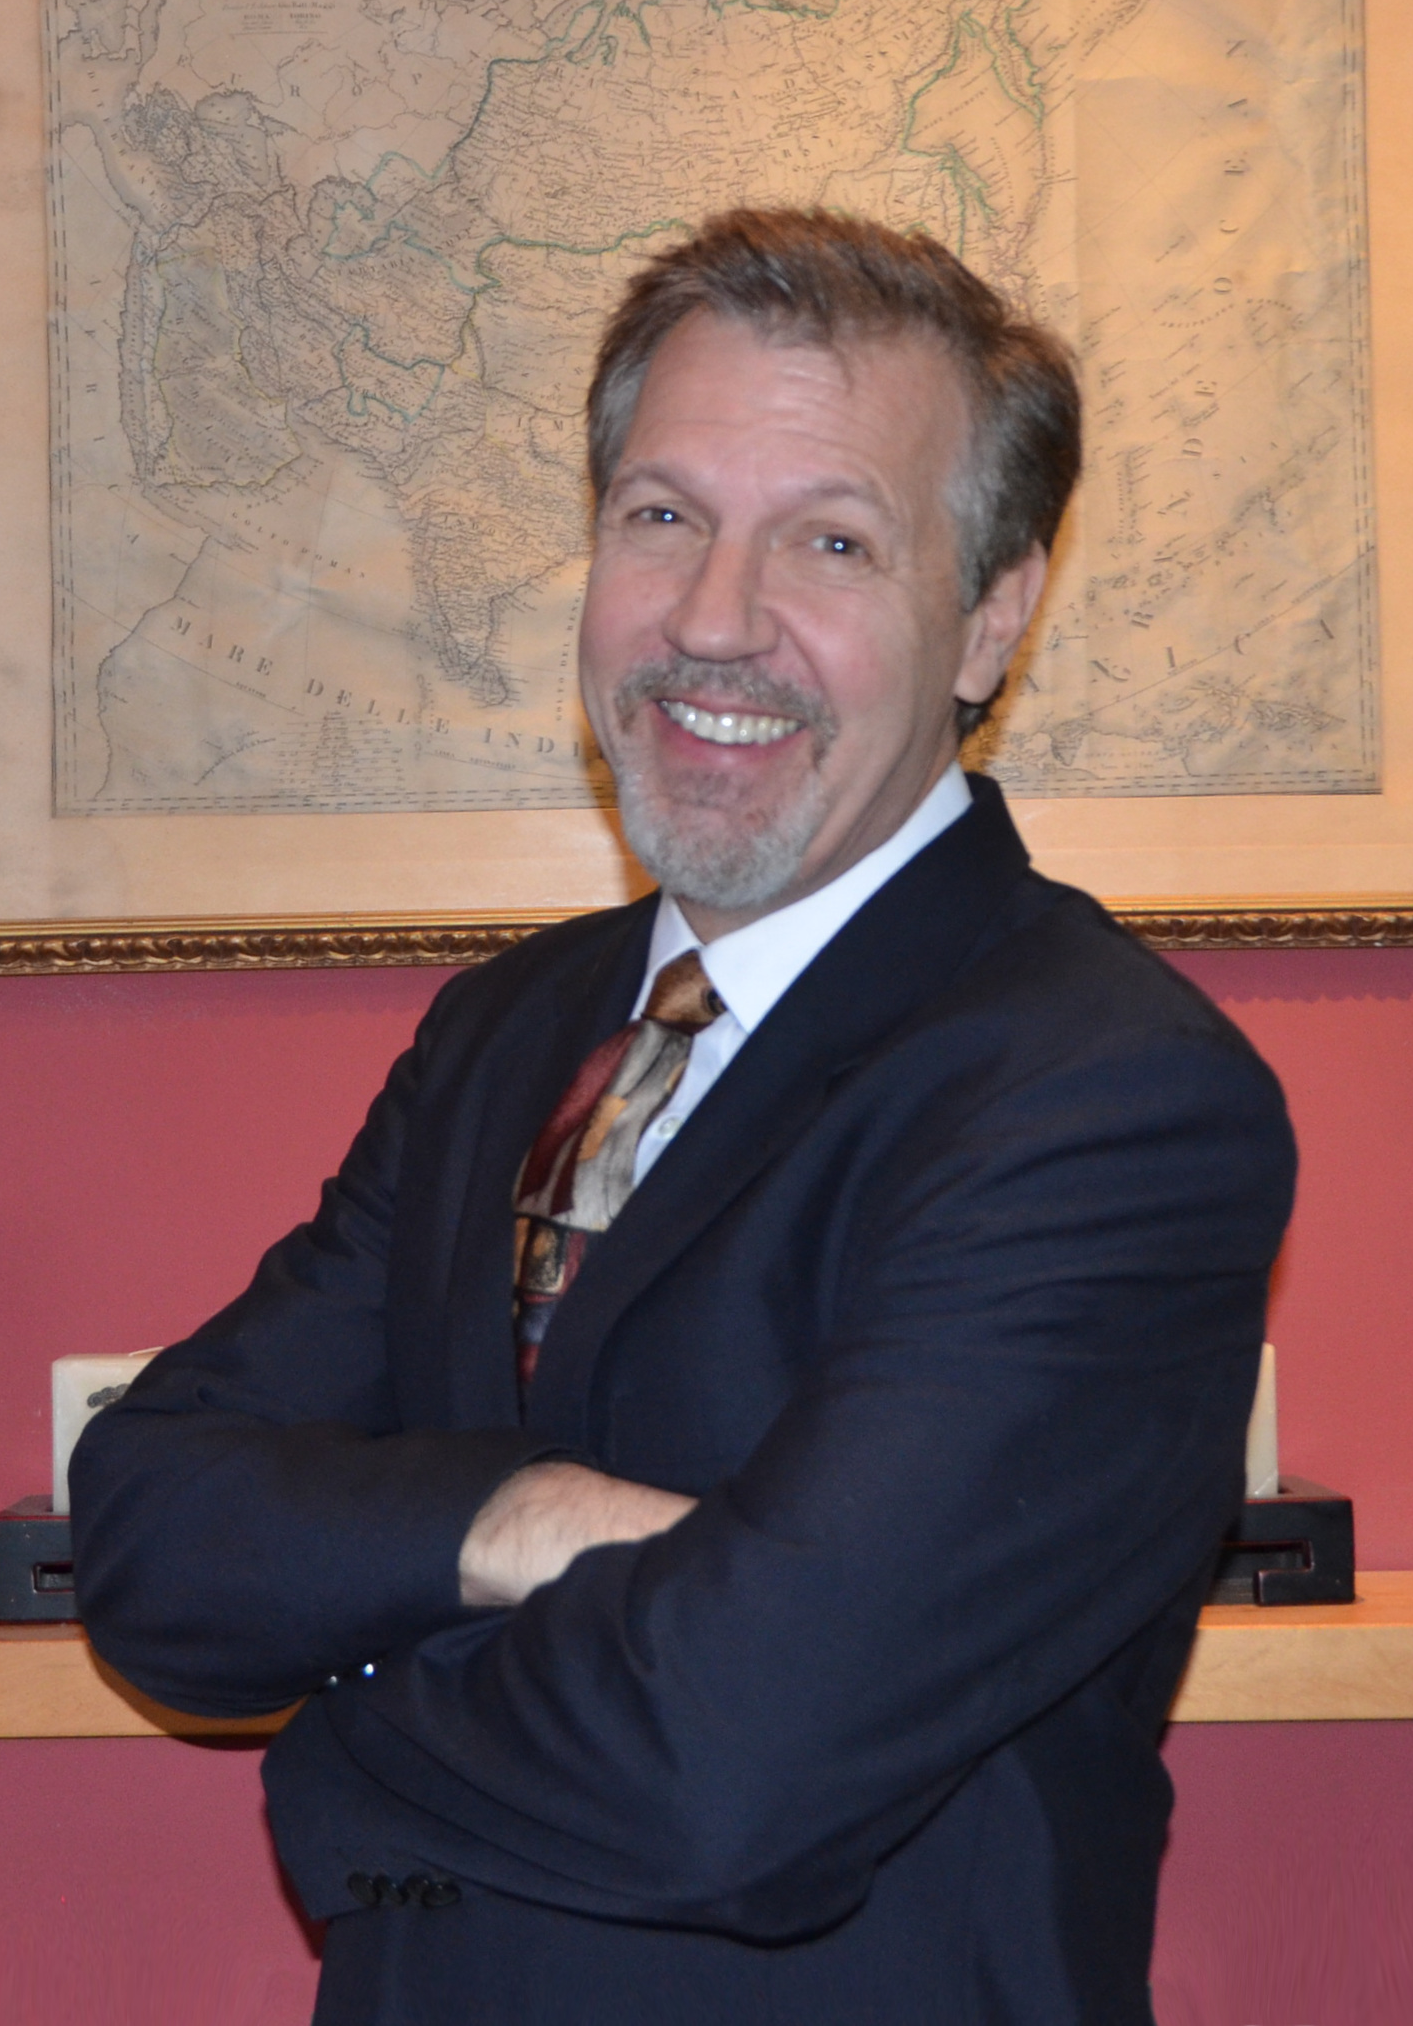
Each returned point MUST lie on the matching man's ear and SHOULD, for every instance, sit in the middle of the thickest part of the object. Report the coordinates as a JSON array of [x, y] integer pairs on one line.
[[995, 628]]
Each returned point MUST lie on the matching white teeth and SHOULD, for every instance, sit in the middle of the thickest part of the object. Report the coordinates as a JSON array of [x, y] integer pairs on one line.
[[728, 728]]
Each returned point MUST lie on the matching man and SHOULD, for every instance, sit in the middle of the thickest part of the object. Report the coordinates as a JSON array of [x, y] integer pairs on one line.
[[736, 1488]]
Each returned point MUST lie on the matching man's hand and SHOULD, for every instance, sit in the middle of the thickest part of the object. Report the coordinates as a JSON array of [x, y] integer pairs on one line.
[[532, 1527]]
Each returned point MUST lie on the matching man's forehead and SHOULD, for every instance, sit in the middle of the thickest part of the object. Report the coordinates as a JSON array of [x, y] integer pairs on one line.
[[900, 381]]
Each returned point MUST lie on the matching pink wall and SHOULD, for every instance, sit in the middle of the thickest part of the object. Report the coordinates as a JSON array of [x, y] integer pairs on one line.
[[155, 1132], [1338, 1028]]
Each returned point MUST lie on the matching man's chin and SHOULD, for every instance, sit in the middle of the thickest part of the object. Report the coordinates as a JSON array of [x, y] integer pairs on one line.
[[707, 857]]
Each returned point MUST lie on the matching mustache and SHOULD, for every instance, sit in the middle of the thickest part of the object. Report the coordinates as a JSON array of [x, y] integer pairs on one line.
[[738, 682]]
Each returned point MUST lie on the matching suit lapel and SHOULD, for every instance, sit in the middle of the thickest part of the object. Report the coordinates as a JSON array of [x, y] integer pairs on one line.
[[540, 1042], [896, 956]]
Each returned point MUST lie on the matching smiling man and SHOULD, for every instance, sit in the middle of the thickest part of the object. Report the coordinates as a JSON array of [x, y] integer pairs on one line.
[[736, 1459], [776, 573]]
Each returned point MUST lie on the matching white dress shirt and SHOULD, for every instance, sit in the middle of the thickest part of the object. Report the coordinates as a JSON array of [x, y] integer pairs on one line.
[[753, 967]]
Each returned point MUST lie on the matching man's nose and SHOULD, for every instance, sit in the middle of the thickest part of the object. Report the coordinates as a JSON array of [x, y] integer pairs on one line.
[[723, 614]]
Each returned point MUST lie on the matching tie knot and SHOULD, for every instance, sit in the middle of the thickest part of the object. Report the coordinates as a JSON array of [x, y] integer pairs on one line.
[[683, 996]]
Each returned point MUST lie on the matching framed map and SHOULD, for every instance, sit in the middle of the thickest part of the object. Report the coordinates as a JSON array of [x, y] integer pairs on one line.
[[324, 279]]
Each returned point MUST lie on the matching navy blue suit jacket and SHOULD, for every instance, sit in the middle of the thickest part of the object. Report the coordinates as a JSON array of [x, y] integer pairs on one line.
[[946, 1303]]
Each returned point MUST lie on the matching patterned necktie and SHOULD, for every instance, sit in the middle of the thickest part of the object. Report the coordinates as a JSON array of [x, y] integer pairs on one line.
[[579, 1173]]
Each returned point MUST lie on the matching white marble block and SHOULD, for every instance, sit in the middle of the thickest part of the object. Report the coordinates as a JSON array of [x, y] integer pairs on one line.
[[1263, 1472], [82, 1386]]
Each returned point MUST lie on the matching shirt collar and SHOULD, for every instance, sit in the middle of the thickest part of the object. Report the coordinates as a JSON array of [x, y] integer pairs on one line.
[[753, 967]]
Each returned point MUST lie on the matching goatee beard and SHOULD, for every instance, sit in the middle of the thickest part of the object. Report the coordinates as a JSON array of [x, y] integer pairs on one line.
[[700, 849]]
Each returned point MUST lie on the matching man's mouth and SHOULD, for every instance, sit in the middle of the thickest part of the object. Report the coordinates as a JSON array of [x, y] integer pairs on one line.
[[728, 728]]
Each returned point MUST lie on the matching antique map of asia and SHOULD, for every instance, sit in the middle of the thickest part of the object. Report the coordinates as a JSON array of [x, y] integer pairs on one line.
[[327, 275]]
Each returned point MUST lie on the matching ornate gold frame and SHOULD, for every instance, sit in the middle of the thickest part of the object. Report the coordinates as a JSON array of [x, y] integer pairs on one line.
[[66, 949]]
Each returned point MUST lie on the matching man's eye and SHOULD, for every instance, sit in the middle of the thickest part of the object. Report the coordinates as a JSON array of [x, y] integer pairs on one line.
[[658, 516], [839, 545]]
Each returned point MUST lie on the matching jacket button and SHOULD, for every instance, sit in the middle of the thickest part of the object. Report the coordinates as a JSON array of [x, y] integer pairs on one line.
[[389, 1891], [363, 1887], [437, 1892]]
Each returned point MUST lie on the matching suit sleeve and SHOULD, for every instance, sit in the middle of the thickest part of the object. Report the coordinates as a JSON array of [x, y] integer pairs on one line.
[[252, 1518], [1017, 1449]]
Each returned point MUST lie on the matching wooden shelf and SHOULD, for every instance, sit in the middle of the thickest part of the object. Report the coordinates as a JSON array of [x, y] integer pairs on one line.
[[53, 1685], [1311, 1663], [1285, 1664]]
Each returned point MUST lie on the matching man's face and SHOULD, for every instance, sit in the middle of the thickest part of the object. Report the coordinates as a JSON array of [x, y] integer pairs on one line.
[[772, 638]]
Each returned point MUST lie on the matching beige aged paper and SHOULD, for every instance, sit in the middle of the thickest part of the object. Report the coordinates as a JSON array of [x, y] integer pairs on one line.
[[326, 280], [264, 364]]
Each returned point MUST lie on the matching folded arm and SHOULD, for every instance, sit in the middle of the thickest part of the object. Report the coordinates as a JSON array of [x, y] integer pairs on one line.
[[531, 1527], [1017, 1448], [254, 1516]]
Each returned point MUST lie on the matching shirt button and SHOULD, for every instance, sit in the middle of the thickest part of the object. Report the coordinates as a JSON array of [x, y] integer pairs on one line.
[[667, 1127]]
